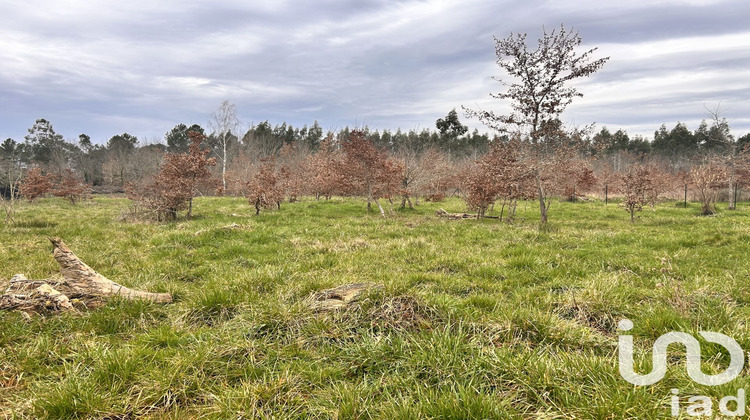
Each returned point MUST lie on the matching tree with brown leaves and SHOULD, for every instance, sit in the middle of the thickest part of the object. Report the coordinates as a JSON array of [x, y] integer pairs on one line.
[[178, 180], [497, 174], [292, 171], [637, 186], [264, 190], [743, 169], [429, 174], [71, 187], [367, 171], [323, 169], [35, 184], [662, 181], [581, 181], [551, 169]]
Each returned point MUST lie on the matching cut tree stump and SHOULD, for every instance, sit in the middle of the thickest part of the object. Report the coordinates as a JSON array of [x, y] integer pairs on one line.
[[340, 297], [79, 284], [34, 295], [84, 279]]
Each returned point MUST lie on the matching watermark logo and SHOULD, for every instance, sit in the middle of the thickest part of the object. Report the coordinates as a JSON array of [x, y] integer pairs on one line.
[[693, 350], [700, 405]]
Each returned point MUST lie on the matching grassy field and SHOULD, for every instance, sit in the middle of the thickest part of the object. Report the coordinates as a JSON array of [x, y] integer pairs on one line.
[[477, 319]]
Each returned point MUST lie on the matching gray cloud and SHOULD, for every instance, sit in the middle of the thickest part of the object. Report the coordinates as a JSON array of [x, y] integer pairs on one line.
[[107, 67]]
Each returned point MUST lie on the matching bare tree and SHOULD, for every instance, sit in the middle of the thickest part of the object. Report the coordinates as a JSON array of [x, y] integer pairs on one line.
[[708, 179], [224, 124], [540, 91], [720, 140], [637, 186], [11, 169]]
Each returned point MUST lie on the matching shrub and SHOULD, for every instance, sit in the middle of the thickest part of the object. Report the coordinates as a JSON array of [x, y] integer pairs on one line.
[[71, 187], [708, 178], [35, 185], [637, 186], [264, 189], [177, 182]]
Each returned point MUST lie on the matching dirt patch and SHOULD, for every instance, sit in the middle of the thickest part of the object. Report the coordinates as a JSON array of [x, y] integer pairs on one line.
[[340, 297]]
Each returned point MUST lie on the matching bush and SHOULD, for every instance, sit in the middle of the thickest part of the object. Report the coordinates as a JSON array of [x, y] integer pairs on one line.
[[176, 183], [71, 187], [35, 185]]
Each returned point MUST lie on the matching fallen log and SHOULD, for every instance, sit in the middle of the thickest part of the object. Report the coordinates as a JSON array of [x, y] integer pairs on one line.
[[33, 295], [79, 284], [84, 279], [457, 216]]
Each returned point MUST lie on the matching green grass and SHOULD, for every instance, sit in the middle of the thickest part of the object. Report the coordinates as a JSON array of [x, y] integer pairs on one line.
[[478, 319]]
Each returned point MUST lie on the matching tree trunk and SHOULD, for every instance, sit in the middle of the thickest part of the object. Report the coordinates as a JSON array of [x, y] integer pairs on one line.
[[81, 277], [224, 164], [80, 283], [542, 206], [732, 185]]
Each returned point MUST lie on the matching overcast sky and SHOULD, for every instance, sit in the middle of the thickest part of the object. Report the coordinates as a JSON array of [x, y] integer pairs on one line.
[[108, 67]]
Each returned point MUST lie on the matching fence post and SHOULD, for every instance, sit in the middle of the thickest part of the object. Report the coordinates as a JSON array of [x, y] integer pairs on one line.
[[685, 195], [606, 195]]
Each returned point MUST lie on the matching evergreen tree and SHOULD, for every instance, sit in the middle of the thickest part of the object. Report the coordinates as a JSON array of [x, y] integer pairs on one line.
[[43, 144], [682, 140], [661, 143], [178, 140], [122, 143]]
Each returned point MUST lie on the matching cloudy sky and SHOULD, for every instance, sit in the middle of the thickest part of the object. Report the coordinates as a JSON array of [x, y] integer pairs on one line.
[[107, 67]]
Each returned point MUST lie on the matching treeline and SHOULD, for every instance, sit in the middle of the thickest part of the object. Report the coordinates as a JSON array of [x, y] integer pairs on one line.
[[677, 143], [124, 159], [270, 164]]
